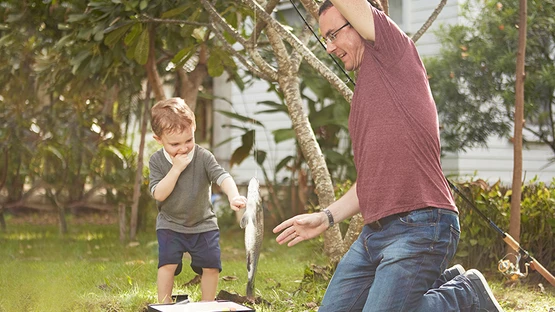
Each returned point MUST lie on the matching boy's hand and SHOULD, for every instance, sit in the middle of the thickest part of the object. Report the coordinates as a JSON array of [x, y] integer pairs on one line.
[[238, 202], [181, 161]]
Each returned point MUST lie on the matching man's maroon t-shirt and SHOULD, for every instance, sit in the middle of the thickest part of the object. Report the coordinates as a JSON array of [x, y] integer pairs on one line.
[[394, 129]]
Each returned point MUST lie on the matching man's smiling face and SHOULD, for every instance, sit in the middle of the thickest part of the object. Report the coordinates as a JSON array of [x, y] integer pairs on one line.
[[347, 45]]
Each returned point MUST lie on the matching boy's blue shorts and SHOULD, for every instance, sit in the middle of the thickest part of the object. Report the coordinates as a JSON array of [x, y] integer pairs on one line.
[[204, 249]]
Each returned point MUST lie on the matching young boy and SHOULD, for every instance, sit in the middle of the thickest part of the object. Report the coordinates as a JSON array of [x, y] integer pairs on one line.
[[181, 174]]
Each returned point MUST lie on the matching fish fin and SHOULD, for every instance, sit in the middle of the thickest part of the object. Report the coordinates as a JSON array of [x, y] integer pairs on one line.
[[244, 221], [248, 263]]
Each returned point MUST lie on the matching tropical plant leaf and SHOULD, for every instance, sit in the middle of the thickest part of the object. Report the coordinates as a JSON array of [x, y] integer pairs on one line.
[[141, 50], [260, 156], [238, 81], [183, 56], [132, 35], [78, 60], [214, 63], [5, 40], [143, 4], [72, 18], [115, 35], [62, 42], [283, 163], [177, 11], [281, 135], [209, 96], [235, 127], [240, 117], [276, 105], [243, 151]]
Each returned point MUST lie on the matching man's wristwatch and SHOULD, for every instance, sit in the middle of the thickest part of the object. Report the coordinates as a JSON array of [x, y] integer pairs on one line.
[[330, 216]]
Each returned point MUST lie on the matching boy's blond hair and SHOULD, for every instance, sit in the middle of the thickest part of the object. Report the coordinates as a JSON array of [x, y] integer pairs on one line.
[[171, 115]]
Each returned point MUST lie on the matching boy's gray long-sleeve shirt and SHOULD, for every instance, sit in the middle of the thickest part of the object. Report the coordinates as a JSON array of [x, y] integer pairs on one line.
[[188, 208]]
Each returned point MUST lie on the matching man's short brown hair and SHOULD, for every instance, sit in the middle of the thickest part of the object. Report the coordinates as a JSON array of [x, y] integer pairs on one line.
[[328, 4]]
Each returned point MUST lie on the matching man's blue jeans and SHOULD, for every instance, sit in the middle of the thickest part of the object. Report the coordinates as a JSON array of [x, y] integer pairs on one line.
[[393, 268]]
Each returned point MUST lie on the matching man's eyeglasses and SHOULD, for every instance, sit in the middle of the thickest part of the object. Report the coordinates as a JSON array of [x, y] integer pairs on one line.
[[332, 36]]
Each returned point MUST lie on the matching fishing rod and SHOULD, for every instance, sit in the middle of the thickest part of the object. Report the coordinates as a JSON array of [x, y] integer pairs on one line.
[[321, 43], [523, 254]]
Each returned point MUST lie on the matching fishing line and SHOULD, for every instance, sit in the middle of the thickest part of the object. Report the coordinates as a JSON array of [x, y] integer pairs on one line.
[[248, 125], [321, 43], [251, 126]]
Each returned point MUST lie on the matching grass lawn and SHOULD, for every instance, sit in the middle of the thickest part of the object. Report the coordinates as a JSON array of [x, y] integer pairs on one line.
[[90, 270]]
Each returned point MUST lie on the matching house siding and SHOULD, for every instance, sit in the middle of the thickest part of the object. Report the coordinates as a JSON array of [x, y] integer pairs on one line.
[[495, 163], [245, 104]]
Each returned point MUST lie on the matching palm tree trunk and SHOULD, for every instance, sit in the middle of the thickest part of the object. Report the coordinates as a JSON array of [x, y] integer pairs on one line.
[[140, 162], [514, 225]]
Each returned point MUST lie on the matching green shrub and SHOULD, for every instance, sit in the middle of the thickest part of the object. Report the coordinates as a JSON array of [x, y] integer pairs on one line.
[[481, 246]]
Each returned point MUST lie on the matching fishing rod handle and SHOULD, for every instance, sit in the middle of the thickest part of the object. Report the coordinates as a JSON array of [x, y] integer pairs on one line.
[[535, 265], [511, 242]]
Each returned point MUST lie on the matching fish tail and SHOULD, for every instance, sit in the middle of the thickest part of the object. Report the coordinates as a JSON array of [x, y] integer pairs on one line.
[[250, 289]]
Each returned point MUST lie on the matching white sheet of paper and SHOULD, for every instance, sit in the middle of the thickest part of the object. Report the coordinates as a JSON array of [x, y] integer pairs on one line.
[[212, 306]]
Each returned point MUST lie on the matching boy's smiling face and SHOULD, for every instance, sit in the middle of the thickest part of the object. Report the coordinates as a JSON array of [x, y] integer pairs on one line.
[[176, 143]]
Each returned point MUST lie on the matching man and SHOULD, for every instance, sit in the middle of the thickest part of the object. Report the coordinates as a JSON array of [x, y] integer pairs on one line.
[[411, 226]]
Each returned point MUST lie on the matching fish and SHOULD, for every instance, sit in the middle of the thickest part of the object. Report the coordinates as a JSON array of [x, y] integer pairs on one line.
[[253, 223]]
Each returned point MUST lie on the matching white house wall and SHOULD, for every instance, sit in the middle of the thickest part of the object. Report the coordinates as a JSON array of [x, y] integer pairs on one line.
[[417, 12], [495, 163], [245, 104]]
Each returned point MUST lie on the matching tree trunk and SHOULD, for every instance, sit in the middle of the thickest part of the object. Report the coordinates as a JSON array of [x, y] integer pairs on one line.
[[385, 5], [122, 222], [59, 208], [514, 225], [2, 220], [140, 162], [190, 82], [154, 85], [429, 22], [355, 226], [289, 84], [152, 71]]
